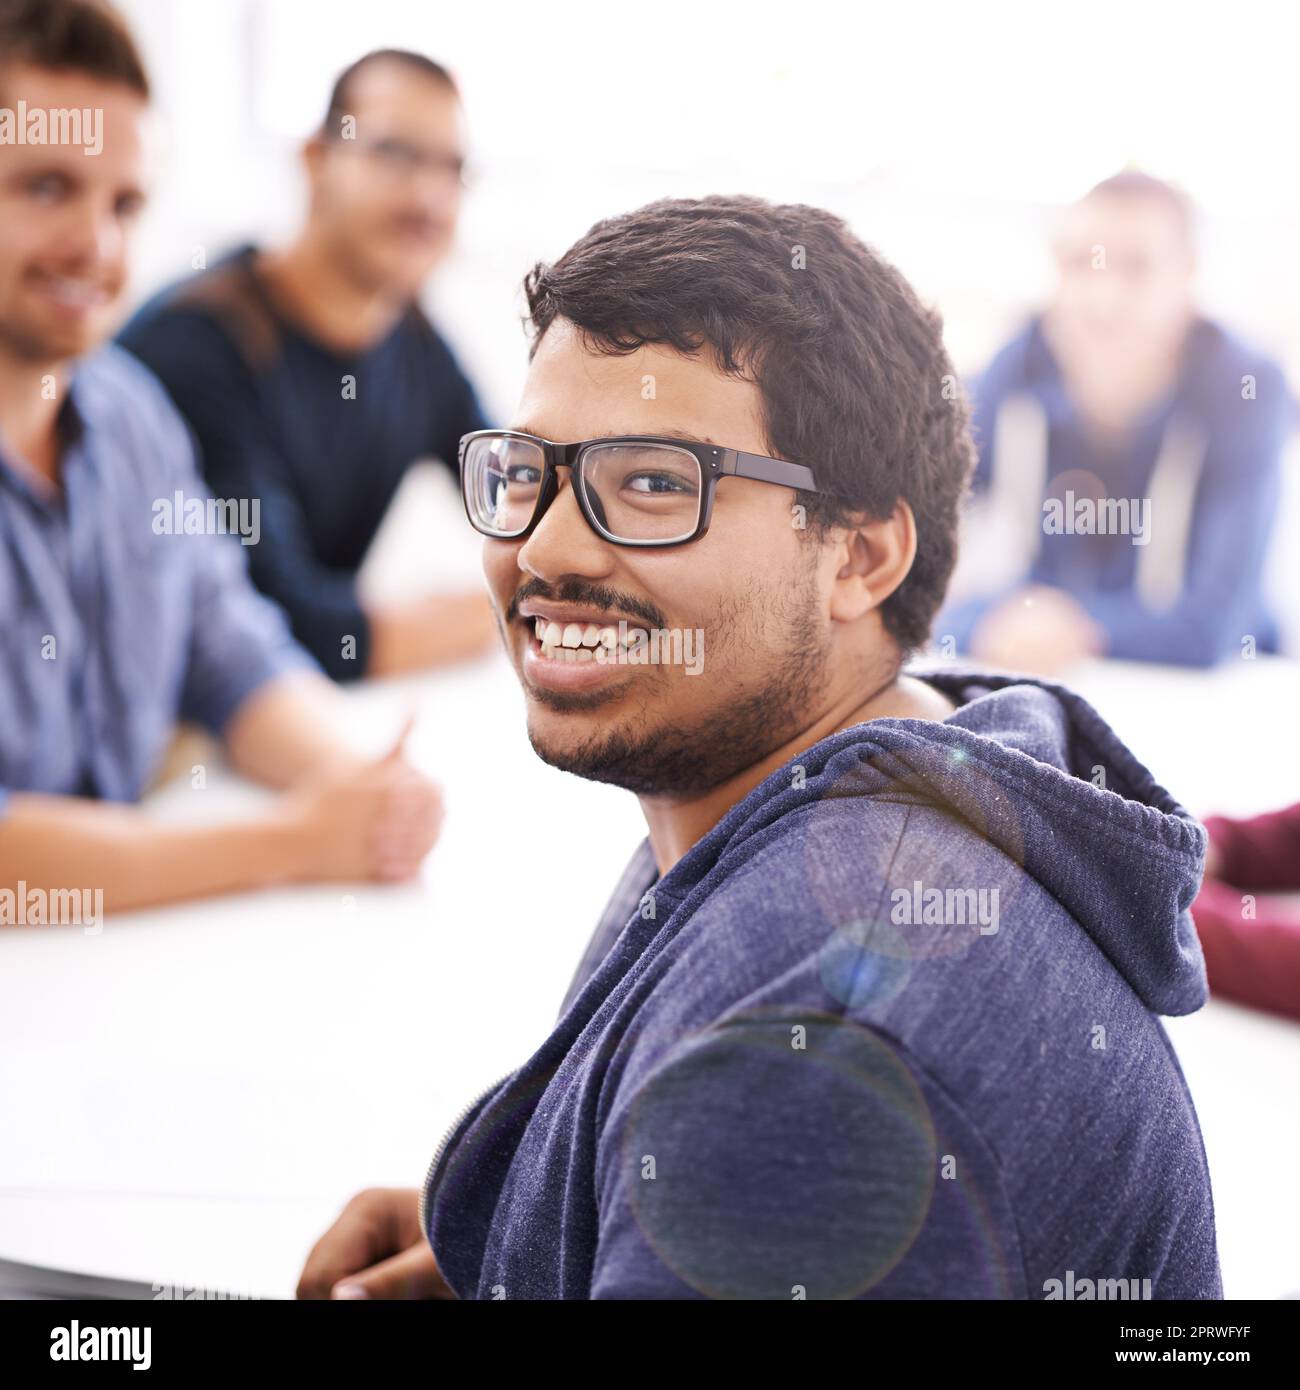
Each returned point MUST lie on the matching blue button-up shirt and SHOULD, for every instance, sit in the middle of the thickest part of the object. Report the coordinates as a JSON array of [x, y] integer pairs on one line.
[[112, 625]]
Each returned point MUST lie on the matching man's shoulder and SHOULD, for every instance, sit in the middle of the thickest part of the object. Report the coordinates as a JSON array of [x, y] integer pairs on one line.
[[418, 336], [123, 408], [1018, 364], [112, 386], [1226, 368], [908, 918], [218, 313]]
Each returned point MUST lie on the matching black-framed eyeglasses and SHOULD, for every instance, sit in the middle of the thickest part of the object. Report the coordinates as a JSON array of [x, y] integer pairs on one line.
[[634, 489]]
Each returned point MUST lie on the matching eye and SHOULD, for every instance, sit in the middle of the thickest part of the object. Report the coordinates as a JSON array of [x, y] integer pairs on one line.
[[129, 206], [397, 154], [522, 474], [660, 483], [48, 187]]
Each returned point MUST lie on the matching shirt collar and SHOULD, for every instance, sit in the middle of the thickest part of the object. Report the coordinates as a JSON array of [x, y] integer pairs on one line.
[[70, 422]]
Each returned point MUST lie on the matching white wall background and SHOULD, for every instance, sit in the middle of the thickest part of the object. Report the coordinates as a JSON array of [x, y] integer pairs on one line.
[[943, 132]]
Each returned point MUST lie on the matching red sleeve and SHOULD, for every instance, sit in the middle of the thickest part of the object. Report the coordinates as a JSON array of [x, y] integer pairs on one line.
[[1262, 853], [1252, 960]]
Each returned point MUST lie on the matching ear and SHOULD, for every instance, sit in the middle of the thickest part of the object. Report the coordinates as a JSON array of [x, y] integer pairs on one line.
[[313, 154], [873, 558]]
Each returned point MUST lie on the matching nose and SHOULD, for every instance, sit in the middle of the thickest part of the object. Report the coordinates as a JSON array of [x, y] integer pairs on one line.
[[1106, 295], [94, 234], [563, 543], [437, 191]]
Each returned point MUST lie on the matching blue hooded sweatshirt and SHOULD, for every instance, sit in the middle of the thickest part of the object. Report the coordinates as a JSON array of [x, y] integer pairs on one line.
[[888, 1030]]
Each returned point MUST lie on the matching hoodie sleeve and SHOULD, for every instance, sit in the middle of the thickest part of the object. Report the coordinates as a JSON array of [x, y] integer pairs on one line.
[[797, 1157]]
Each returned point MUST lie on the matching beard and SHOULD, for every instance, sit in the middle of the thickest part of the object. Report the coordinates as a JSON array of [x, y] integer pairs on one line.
[[38, 346], [666, 758]]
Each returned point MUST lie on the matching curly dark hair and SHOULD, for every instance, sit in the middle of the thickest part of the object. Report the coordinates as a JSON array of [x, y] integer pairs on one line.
[[855, 381]]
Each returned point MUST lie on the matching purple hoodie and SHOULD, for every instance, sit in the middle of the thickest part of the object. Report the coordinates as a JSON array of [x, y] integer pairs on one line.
[[889, 1030]]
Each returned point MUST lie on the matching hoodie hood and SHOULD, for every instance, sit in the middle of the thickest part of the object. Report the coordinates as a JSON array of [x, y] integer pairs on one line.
[[1034, 769]]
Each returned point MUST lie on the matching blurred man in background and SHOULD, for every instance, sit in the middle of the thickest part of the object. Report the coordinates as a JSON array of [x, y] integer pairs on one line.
[[1129, 456], [312, 379], [115, 626]]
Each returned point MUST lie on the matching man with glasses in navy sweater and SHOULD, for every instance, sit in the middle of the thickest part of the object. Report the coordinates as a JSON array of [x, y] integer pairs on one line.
[[313, 380]]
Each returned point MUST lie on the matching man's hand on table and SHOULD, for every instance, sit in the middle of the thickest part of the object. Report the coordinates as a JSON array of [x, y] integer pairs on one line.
[[1038, 629], [366, 820], [375, 1250]]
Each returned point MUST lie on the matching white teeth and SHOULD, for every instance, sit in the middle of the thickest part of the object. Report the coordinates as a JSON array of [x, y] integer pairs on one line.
[[573, 641], [77, 292]]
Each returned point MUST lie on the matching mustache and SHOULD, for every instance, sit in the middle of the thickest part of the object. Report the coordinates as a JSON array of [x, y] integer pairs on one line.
[[595, 596], [415, 222]]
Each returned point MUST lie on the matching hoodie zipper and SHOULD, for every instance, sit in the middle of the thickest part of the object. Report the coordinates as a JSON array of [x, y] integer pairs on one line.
[[425, 1193]]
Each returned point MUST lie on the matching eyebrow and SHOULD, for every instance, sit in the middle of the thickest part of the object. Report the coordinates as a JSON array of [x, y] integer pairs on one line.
[[685, 435]]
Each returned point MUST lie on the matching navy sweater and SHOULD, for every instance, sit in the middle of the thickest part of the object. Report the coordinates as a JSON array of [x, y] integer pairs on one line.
[[887, 1031], [321, 438]]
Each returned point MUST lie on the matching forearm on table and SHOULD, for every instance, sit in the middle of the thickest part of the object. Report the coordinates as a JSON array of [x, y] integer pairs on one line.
[[61, 842], [290, 728]]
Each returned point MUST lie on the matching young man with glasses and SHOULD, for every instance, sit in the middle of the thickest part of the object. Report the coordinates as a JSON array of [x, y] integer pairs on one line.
[[312, 379], [873, 1010]]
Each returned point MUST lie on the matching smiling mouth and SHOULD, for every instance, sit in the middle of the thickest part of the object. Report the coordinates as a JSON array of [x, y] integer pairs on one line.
[[75, 294], [580, 642]]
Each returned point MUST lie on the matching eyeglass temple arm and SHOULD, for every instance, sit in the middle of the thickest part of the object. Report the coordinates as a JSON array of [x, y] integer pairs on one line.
[[769, 470]]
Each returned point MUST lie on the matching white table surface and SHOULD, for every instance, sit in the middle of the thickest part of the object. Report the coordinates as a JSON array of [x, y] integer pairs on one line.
[[189, 1096]]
